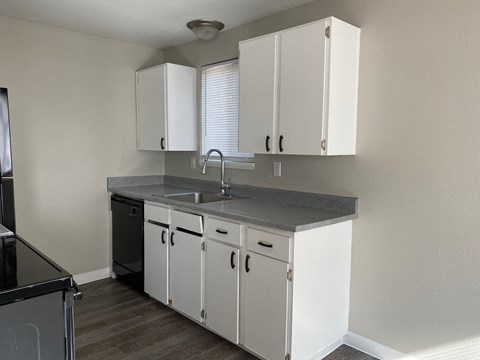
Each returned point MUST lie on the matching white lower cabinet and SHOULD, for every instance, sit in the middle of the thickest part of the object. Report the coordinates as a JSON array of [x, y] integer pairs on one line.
[[186, 273], [222, 285], [266, 306], [280, 295], [296, 291], [156, 261]]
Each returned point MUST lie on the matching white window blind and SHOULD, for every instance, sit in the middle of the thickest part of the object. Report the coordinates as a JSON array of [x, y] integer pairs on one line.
[[220, 109]]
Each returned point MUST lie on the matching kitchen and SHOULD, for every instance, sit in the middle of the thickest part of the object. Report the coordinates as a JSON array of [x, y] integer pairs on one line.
[[413, 248]]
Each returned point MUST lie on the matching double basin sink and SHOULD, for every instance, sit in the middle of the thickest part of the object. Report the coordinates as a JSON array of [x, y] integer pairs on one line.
[[198, 197]]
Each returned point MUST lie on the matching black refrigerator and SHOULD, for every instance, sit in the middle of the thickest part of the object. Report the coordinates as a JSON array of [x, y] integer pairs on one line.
[[7, 206]]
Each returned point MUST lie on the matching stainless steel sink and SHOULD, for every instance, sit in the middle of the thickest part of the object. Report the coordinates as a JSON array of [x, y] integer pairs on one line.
[[199, 197]]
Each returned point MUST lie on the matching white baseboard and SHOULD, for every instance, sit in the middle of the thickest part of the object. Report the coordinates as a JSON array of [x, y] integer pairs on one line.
[[92, 276], [327, 350], [373, 348]]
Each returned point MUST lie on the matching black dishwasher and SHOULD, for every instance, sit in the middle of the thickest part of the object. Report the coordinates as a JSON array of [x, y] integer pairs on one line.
[[127, 240]]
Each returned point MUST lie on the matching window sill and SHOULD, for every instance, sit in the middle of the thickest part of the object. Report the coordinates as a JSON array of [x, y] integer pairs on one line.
[[238, 165]]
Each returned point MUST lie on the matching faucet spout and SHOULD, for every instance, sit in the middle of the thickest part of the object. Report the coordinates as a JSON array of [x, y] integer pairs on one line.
[[223, 185]]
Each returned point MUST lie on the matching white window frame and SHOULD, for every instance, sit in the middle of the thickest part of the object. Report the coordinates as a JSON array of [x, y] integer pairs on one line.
[[233, 162]]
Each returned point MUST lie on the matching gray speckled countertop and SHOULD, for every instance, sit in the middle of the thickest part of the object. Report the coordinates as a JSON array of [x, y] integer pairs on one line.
[[279, 209]]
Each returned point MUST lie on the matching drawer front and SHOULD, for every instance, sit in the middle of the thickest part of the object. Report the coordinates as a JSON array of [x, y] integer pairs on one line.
[[226, 231], [157, 213], [187, 221], [269, 244]]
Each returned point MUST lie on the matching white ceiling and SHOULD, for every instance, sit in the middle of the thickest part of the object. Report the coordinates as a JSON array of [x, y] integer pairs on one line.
[[157, 23]]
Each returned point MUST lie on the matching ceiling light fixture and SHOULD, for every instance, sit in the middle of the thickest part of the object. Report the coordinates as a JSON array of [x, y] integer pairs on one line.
[[205, 29]]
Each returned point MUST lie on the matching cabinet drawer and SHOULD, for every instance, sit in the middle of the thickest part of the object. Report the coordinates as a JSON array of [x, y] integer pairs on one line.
[[269, 244], [187, 221], [157, 213], [224, 230]]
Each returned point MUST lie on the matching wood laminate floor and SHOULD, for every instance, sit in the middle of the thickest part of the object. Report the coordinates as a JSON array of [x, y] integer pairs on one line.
[[114, 321]]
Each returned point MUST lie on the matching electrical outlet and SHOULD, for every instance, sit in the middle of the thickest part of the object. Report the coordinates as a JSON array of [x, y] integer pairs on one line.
[[193, 162], [277, 168]]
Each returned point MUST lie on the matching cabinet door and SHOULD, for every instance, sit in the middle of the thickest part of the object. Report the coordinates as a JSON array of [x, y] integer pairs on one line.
[[186, 273], [266, 306], [341, 117], [181, 108], [258, 94], [156, 261], [222, 289], [302, 73], [151, 109]]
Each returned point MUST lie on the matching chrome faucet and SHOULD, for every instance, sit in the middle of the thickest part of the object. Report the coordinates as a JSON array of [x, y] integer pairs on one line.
[[223, 185]]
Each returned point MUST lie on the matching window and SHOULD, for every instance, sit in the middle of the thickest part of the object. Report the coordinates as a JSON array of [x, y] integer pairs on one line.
[[220, 110]]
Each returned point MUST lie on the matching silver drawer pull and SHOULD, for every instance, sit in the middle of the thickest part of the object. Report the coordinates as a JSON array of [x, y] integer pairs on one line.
[[222, 231], [265, 244]]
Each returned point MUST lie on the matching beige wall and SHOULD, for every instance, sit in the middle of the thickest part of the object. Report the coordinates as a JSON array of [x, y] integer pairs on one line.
[[72, 108], [416, 246]]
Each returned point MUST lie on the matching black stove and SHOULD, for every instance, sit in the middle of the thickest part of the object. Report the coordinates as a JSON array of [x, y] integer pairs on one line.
[[36, 304], [25, 272]]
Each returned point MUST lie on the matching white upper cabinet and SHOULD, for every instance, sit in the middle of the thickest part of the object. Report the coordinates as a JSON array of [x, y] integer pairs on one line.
[[302, 74], [166, 108], [258, 94], [298, 90]]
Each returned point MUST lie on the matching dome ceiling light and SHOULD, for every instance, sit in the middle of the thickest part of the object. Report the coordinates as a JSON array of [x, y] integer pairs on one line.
[[205, 29]]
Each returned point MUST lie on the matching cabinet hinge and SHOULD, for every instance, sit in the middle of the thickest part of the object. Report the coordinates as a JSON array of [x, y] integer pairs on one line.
[[204, 246], [290, 275], [327, 32], [323, 144], [170, 301], [287, 357], [203, 314]]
